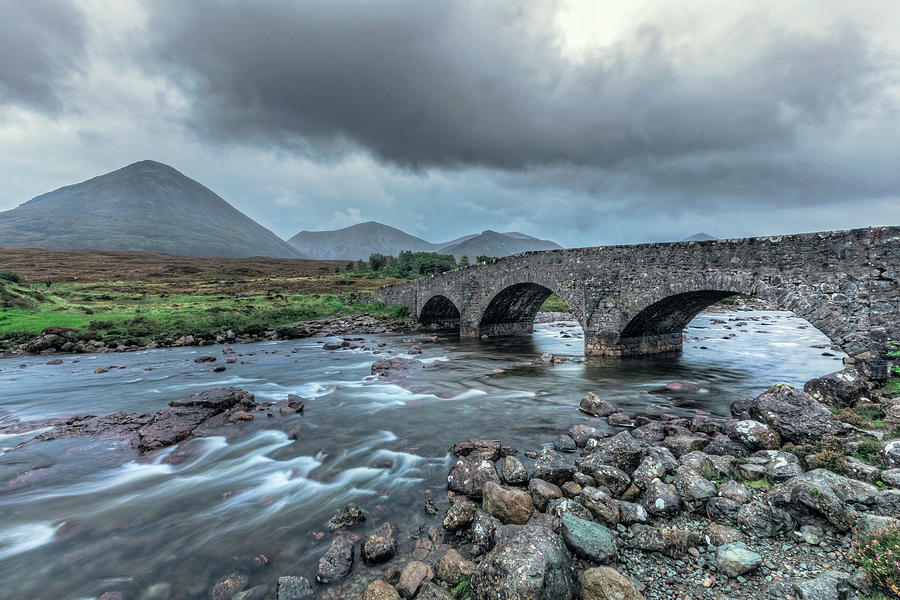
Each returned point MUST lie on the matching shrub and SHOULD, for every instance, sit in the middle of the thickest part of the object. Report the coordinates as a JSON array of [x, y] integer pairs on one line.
[[462, 589], [878, 554], [869, 451], [10, 277], [828, 459]]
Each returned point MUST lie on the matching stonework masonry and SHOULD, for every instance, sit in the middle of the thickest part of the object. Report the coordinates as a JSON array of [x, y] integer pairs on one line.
[[634, 300]]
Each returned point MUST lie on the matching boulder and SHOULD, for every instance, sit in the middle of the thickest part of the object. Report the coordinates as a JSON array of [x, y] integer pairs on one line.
[[672, 542], [604, 583], [842, 388], [723, 510], [716, 534], [542, 492], [380, 545], [794, 414], [453, 567], [293, 588], [553, 466], [763, 520], [430, 591], [588, 539], [736, 559], [582, 433], [460, 514], [487, 449], [656, 464], [228, 586], [695, 491], [630, 513], [682, 387], [484, 531], [564, 443], [613, 479], [513, 471], [602, 505], [393, 368], [412, 577], [593, 405], [722, 445], [890, 454], [509, 505], [754, 435], [661, 499], [470, 474], [337, 562], [776, 465], [349, 516], [557, 508], [531, 563], [621, 451], [682, 444], [380, 590], [830, 585]]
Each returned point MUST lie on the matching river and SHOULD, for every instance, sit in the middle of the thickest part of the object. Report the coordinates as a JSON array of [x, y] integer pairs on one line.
[[82, 516]]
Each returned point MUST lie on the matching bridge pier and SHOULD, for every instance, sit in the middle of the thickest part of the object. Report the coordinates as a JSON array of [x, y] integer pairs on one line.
[[612, 345]]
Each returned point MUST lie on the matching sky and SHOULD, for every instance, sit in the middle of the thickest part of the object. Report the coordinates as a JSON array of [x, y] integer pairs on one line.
[[587, 123]]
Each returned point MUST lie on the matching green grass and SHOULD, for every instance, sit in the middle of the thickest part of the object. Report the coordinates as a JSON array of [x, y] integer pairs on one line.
[[554, 304], [463, 588], [114, 312]]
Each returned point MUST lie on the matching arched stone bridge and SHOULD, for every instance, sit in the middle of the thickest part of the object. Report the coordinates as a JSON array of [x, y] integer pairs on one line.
[[633, 300]]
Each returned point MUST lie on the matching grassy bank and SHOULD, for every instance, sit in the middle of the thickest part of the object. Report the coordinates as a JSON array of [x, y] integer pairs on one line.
[[140, 312]]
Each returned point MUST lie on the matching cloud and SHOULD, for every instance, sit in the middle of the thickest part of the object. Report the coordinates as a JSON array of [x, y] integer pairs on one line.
[[41, 44]]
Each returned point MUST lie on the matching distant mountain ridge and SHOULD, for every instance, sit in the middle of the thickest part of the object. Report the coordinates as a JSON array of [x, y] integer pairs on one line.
[[146, 206], [359, 241], [699, 237]]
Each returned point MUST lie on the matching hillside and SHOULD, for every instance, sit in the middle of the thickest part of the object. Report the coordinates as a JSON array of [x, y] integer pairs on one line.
[[147, 207], [358, 242], [699, 237], [491, 243]]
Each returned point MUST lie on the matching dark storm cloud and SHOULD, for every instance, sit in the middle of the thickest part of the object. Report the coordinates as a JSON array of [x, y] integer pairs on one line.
[[455, 84], [41, 43]]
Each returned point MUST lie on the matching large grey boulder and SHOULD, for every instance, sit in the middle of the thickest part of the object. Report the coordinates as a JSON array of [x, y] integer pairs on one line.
[[590, 540], [531, 563], [736, 559], [554, 467], [470, 473], [794, 414], [841, 388], [594, 405], [671, 541]]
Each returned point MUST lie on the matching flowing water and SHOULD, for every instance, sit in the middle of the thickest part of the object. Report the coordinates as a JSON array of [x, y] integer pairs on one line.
[[82, 516]]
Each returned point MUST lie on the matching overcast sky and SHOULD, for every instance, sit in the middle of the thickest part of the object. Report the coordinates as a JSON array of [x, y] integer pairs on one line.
[[582, 122]]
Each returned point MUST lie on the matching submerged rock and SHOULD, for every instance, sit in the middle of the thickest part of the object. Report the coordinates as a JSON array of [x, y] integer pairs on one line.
[[337, 562], [349, 516], [293, 588], [380, 545]]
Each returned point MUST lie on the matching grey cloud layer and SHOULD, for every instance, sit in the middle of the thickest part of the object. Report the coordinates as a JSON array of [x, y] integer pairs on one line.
[[41, 43]]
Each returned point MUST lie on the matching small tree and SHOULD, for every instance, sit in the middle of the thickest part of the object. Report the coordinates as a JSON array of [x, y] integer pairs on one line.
[[464, 261], [377, 261], [337, 269], [349, 266], [484, 258]]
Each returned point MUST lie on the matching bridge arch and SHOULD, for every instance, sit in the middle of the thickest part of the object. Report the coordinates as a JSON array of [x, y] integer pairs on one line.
[[439, 310], [510, 309], [655, 318]]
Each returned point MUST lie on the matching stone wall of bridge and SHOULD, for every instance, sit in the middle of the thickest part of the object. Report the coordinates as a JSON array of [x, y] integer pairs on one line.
[[637, 299]]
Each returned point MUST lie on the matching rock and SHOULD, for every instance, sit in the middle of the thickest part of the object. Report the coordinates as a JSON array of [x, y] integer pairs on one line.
[[588, 539], [672, 542], [723, 510], [486, 449], [867, 523], [735, 491], [570, 489], [413, 350], [661, 499], [412, 577], [513, 471], [293, 588], [220, 369], [380, 590], [830, 585], [349, 516], [794, 414], [564, 443], [509, 505], [841, 388], [531, 563], [484, 530], [722, 445], [470, 474], [622, 451], [205, 358], [857, 469], [706, 424], [430, 591], [593, 405], [630, 513], [890, 454], [891, 477], [652, 432], [460, 515], [736, 559], [717, 534], [682, 387], [695, 491], [656, 463], [380, 545], [682, 444], [542, 491], [601, 505], [259, 592], [776, 465], [392, 368], [763, 520], [554, 467], [604, 583], [582, 433], [557, 508], [228, 586], [453, 567], [754, 435], [613, 479], [337, 562], [620, 420]]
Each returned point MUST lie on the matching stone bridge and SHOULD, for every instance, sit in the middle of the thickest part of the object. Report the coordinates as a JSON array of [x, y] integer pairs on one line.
[[633, 300]]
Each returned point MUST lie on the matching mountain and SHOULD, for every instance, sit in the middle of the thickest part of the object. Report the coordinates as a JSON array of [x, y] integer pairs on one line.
[[491, 243], [699, 237], [358, 242], [146, 206]]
